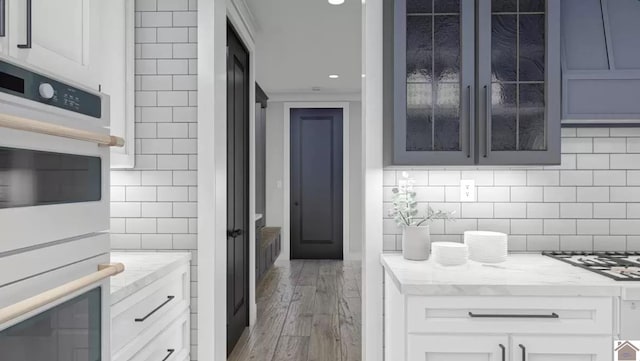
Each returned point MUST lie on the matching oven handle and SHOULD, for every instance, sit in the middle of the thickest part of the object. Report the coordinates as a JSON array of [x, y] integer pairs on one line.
[[31, 304], [35, 126]]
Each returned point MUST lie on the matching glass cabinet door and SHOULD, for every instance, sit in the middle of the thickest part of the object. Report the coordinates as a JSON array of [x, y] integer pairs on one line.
[[519, 81], [434, 82]]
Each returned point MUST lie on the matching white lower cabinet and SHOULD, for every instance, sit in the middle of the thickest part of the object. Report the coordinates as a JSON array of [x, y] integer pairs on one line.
[[497, 328], [561, 348], [152, 324], [457, 347]]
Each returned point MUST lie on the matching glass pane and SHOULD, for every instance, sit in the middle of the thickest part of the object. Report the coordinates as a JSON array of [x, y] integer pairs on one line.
[[447, 6], [418, 6], [503, 47], [503, 119], [419, 49], [532, 47], [531, 112], [70, 331], [447, 117], [532, 6], [447, 48], [34, 178], [419, 117], [504, 6]]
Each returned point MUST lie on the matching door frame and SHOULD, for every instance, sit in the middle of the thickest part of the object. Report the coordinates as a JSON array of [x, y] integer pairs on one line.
[[212, 171], [286, 219]]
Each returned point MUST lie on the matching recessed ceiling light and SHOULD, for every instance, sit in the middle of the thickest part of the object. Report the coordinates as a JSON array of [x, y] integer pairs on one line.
[[336, 2], [334, 76]]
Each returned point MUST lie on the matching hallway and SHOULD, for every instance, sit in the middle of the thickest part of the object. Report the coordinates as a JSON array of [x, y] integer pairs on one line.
[[308, 310]]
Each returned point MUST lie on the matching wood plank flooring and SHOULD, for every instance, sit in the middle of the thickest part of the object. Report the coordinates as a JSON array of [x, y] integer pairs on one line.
[[308, 310]]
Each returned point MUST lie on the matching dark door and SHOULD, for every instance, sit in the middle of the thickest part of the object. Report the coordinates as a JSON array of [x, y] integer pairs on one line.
[[237, 189], [316, 183]]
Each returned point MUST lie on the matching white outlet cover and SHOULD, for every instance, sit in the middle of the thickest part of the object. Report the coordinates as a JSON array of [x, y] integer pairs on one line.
[[467, 190]]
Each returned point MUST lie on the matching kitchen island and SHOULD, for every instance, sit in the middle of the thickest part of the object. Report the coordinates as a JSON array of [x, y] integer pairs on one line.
[[528, 307]]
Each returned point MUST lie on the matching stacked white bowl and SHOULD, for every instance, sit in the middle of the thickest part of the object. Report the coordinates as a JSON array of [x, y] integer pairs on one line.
[[486, 247], [450, 253]]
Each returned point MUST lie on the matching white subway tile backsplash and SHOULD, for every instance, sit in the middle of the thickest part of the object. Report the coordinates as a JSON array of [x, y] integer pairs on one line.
[[495, 225], [173, 35], [576, 243], [141, 225], [510, 178], [592, 132], [481, 177], [389, 178], [543, 243], [185, 178], [609, 178], [576, 210], [125, 209], [625, 194], [593, 194], [156, 19], [543, 210], [173, 66], [559, 226], [526, 194], [156, 51], [633, 177], [477, 210], [633, 210], [609, 210], [429, 194], [156, 241], [185, 209], [493, 194], [543, 178], [609, 243], [625, 227], [609, 145], [576, 178], [125, 241], [577, 145], [157, 178], [625, 161], [156, 115], [593, 226], [157, 146], [510, 210], [559, 194], [459, 226], [173, 194], [186, 18], [444, 178], [173, 225], [125, 178], [593, 161], [517, 243], [140, 194], [178, 162], [157, 210]]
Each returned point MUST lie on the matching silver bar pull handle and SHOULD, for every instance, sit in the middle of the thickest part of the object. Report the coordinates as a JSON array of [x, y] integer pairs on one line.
[[3, 18], [502, 348], [27, 44]]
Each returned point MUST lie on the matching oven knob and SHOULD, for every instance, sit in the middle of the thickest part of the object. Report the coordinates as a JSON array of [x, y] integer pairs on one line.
[[46, 91]]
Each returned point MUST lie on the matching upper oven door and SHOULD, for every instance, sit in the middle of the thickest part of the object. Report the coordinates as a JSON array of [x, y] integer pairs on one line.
[[51, 188]]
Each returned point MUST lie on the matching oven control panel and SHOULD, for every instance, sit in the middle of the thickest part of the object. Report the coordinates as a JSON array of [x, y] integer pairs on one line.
[[30, 85]]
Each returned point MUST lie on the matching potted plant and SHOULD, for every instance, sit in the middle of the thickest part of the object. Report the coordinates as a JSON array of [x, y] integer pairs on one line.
[[416, 237]]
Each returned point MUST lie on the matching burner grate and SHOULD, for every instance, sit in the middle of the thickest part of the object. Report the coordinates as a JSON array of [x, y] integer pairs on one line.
[[602, 263]]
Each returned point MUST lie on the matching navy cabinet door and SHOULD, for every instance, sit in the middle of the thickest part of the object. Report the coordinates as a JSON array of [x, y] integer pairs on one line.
[[518, 87], [434, 82]]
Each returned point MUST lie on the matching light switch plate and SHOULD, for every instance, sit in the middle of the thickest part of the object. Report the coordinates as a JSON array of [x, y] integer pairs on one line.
[[467, 190]]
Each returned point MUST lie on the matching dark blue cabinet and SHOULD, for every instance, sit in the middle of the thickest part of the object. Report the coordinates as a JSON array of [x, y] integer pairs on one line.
[[601, 62], [476, 82]]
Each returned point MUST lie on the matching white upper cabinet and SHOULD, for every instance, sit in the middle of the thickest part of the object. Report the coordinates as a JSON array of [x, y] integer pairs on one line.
[[61, 37], [90, 42]]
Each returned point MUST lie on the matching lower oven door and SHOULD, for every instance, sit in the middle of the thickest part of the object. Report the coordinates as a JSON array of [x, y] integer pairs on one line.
[[51, 188], [74, 328]]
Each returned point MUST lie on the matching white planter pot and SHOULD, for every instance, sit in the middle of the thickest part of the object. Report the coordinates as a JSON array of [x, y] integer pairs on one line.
[[416, 243]]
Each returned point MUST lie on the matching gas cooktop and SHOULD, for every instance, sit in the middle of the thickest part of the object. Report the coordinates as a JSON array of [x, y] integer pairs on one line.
[[620, 266]]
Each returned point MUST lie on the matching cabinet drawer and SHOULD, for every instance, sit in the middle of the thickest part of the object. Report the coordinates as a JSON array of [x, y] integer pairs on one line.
[[170, 345], [140, 311], [546, 315]]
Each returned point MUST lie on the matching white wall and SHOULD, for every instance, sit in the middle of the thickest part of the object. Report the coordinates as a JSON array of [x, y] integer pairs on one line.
[[154, 205], [275, 170]]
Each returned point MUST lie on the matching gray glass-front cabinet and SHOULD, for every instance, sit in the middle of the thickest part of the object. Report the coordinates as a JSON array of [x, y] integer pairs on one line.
[[477, 82]]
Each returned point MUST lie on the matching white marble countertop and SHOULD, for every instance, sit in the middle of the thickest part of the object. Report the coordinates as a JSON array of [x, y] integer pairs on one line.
[[523, 274], [141, 269]]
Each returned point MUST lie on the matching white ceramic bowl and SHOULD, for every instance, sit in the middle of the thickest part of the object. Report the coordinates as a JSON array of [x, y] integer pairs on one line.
[[487, 247], [450, 253]]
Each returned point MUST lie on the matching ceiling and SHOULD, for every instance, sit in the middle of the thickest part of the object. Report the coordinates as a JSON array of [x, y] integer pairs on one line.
[[301, 42]]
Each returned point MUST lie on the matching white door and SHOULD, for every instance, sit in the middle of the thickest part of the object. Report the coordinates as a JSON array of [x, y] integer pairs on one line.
[[64, 37], [561, 348], [457, 348]]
